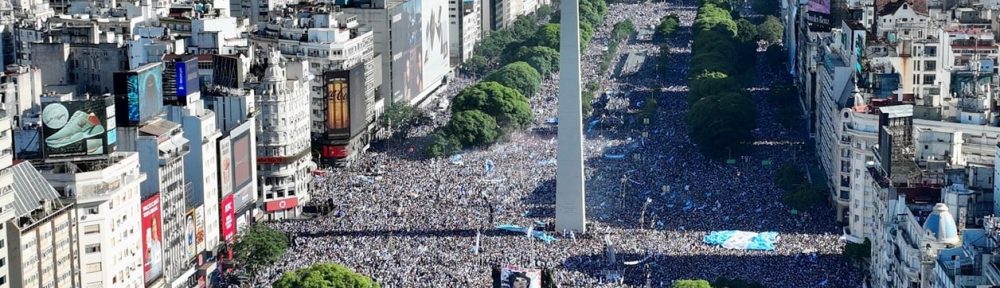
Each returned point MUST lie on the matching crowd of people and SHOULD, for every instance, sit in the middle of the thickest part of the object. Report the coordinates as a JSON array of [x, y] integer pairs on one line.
[[413, 222]]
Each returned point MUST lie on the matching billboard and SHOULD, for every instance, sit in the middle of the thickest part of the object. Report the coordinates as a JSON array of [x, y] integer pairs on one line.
[[199, 230], [180, 79], [78, 128], [420, 47], [225, 167], [283, 204], [139, 94], [227, 218], [337, 96], [190, 228], [241, 158], [818, 15], [966, 84], [152, 243]]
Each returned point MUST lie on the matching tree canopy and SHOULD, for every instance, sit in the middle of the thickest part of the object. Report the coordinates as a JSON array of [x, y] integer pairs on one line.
[[765, 7], [771, 30], [691, 284], [547, 36], [473, 128], [710, 83], [400, 118], [260, 246], [325, 275], [668, 25], [518, 75], [506, 105]]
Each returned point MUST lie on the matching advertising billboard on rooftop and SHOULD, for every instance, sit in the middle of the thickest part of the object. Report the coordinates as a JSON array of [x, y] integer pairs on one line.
[[78, 128], [139, 94]]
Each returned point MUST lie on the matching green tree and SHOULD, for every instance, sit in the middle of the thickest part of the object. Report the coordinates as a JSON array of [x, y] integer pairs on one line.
[[473, 128], [443, 144], [587, 97], [325, 275], [260, 246], [710, 83], [668, 25], [623, 29], [506, 105], [788, 177], [710, 16], [518, 75], [541, 52], [544, 11], [721, 124], [547, 36], [803, 197], [691, 284], [494, 45], [543, 65], [746, 31], [771, 30], [476, 64]]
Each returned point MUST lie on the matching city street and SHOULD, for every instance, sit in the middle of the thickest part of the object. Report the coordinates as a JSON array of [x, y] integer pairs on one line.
[[414, 222]]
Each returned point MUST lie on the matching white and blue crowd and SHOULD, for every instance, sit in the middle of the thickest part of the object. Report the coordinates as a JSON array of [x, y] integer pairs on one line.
[[408, 221]]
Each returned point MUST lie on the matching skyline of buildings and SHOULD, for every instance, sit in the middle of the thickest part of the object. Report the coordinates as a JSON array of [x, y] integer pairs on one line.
[[139, 138]]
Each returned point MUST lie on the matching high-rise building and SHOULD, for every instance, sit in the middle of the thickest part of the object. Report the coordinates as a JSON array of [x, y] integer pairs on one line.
[[43, 236], [464, 29], [6, 192], [411, 37], [284, 158], [108, 223], [340, 71]]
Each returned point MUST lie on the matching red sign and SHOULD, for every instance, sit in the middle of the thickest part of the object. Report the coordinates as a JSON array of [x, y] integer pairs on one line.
[[334, 151], [227, 218], [152, 241], [270, 160], [278, 205]]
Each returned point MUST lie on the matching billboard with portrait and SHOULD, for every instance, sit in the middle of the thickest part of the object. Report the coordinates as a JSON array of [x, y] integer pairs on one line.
[[227, 218], [199, 229], [337, 95], [152, 239], [190, 228], [514, 276], [225, 167], [78, 128], [407, 52], [139, 94]]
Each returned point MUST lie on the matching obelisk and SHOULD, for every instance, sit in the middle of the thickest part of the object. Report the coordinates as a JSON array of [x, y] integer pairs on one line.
[[571, 211]]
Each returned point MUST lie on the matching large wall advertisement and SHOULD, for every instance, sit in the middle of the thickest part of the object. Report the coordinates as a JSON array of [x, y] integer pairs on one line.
[[78, 128], [337, 95], [187, 77], [241, 157], [152, 243], [225, 167], [420, 47], [139, 94], [190, 230], [818, 15], [199, 230], [227, 218]]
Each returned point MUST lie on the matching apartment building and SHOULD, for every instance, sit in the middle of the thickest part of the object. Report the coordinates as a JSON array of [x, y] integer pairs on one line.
[[108, 229], [341, 73], [464, 29], [284, 159], [43, 235]]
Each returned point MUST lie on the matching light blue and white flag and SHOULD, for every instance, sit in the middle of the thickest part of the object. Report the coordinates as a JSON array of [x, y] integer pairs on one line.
[[733, 239]]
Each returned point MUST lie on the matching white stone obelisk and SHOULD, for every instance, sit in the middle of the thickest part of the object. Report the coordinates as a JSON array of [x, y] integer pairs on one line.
[[571, 211]]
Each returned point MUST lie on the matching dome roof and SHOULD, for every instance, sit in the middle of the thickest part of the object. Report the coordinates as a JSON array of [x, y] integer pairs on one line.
[[941, 225]]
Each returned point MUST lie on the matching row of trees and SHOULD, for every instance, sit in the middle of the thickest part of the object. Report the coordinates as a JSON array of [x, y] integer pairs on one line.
[[722, 114], [668, 26], [485, 112], [619, 33], [799, 193], [324, 275]]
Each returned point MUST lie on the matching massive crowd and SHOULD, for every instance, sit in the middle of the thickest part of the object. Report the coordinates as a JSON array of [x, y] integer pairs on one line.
[[412, 222]]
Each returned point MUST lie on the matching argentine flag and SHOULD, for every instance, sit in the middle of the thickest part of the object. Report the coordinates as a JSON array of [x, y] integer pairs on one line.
[[734, 239]]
